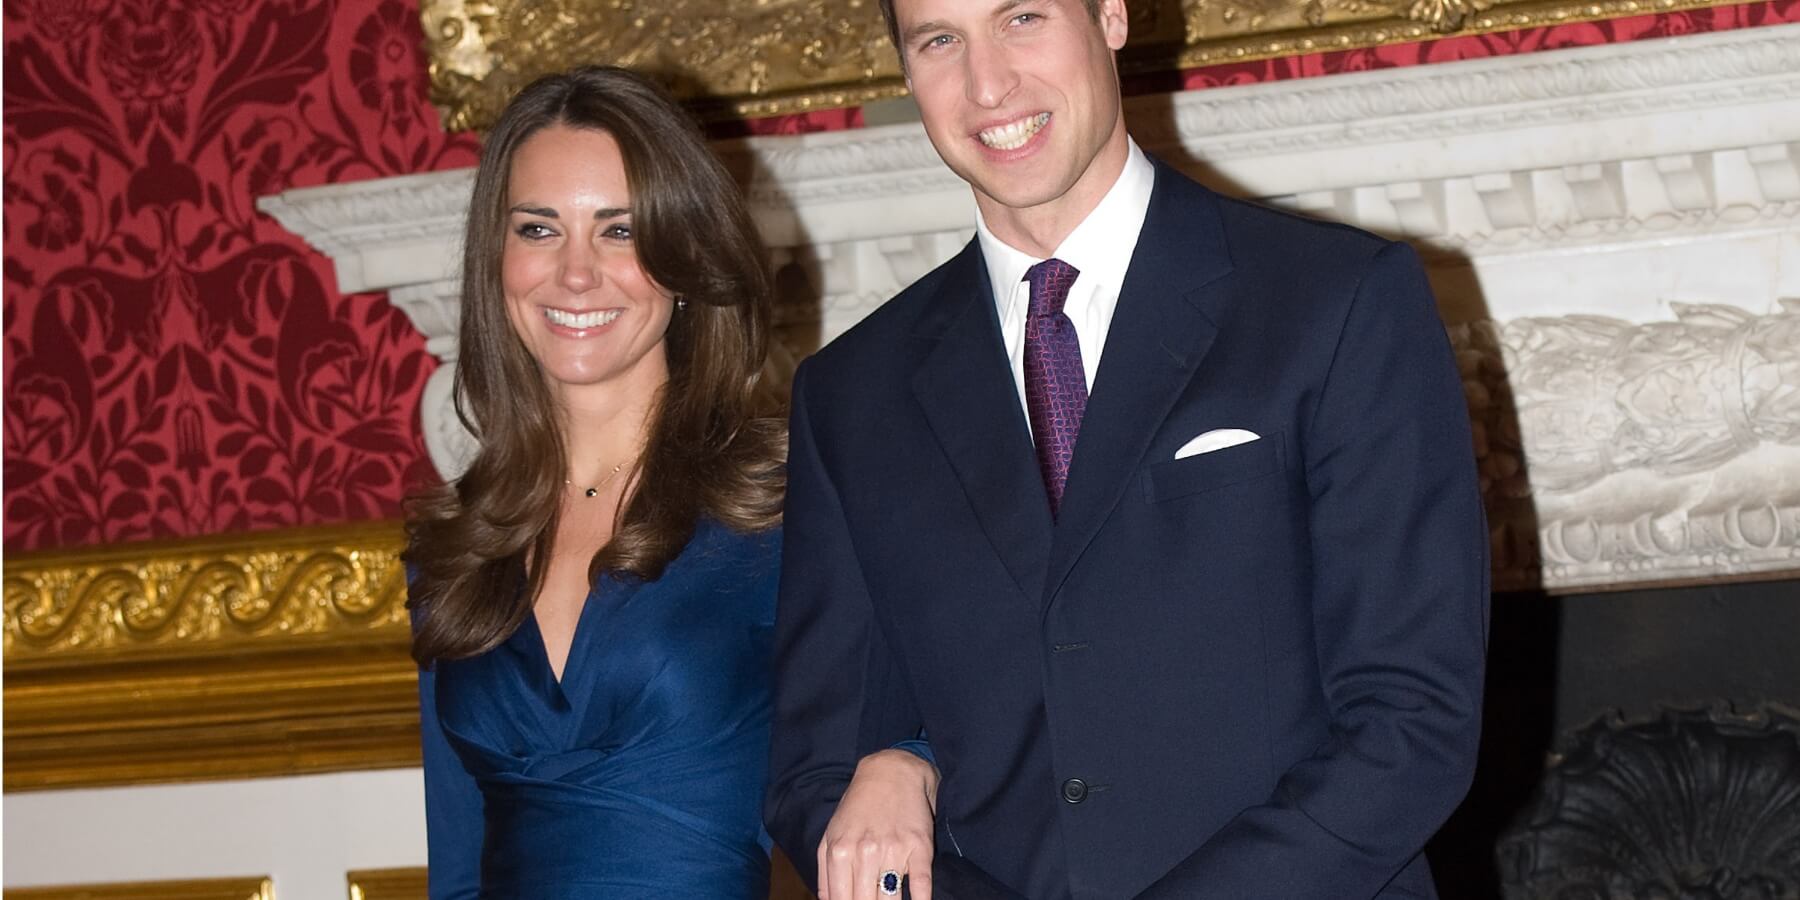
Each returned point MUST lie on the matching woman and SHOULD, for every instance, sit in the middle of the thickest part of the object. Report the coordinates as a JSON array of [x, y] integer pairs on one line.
[[593, 599]]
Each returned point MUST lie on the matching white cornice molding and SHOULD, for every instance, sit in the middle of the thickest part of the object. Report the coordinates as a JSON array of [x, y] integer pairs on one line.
[[1407, 131], [1461, 99], [1571, 87], [1410, 127], [383, 233], [1554, 108]]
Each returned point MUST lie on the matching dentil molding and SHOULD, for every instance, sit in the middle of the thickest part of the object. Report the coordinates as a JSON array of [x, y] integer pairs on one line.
[[1613, 233]]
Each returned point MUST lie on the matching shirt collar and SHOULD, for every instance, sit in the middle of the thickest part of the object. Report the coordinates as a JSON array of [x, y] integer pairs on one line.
[[1099, 248]]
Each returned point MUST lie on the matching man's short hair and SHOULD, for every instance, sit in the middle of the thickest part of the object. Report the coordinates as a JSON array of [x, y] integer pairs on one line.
[[893, 23]]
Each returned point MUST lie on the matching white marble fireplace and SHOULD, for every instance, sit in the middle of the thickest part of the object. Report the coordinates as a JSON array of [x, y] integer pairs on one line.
[[1613, 233]]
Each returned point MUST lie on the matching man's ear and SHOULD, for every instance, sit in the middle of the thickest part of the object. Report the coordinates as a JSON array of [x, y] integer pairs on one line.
[[1114, 23]]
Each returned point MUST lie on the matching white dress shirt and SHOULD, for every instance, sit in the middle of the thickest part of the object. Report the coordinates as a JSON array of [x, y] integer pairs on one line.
[[1099, 248]]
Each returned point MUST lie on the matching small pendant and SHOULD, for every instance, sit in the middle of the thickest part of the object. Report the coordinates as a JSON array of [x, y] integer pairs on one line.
[[592, 492]]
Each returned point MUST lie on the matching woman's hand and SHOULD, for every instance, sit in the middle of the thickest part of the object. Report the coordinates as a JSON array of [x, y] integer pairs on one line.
[[883, 823]]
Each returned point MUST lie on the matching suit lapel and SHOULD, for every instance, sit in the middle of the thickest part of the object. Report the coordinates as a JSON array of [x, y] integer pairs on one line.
[[1173, 297], [966, 390]]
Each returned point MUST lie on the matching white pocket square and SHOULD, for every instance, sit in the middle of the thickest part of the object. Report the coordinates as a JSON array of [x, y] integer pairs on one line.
[[1217, 439]]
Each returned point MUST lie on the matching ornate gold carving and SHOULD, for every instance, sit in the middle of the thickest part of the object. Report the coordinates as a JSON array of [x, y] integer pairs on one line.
[[259, 654], [215, 592], [387, 884], [1321, 25], [786, 54], [257, 888], [735, 60]]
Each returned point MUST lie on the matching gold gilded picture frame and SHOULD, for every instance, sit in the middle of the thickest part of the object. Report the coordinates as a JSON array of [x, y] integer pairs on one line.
[[387, 884], [735, 60]]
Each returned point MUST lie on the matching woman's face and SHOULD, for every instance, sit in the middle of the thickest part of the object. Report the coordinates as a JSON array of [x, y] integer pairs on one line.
[[575, 293]]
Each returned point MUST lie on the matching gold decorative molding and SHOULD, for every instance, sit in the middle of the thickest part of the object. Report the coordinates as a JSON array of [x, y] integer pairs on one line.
[[214, 593], [254, 888], [387, 884], [732, 60], [1384, 23], [250, 655]]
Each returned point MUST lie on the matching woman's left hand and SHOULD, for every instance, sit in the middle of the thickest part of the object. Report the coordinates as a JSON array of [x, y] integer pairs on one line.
[[884, 823]]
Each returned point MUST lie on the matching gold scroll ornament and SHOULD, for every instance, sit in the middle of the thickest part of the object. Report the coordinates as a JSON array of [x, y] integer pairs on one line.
[[731, 59], [260, 654]]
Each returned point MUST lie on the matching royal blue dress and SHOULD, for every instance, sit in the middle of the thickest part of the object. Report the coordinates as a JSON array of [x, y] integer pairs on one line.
[[640, 775]]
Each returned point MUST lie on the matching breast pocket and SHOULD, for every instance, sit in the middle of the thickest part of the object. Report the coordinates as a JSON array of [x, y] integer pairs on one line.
[[1211, 471]]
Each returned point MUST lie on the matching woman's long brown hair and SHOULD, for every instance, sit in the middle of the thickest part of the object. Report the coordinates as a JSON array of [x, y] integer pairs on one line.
[[708, 454]]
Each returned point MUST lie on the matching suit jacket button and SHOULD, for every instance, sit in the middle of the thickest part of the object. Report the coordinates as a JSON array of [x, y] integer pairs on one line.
[[1074, 790]]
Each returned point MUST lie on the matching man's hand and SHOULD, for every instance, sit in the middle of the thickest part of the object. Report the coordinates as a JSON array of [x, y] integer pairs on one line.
[[883, 823]]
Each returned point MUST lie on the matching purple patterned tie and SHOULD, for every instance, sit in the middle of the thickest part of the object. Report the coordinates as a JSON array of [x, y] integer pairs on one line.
[[1055, 386]]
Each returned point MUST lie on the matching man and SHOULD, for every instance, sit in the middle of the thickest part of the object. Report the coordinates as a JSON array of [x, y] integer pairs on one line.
[[1153, 511]]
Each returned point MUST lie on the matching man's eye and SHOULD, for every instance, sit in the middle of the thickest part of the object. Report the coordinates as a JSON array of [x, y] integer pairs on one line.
[[1026, 18], [942, 40]]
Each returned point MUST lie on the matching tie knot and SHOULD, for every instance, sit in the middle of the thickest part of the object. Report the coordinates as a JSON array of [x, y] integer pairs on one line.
[[1050, 281]]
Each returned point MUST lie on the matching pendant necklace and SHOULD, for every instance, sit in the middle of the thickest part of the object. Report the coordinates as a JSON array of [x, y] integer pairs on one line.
[[595, 490]]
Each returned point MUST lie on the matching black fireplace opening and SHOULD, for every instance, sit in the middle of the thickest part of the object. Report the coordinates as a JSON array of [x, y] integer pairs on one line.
[[1637, 743]]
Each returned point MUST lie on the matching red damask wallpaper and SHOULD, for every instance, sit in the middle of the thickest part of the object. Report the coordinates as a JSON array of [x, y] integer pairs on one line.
[[176, 363]]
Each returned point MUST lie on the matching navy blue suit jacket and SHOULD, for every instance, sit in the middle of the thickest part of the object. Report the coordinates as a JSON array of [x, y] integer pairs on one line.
[[1251, 673]]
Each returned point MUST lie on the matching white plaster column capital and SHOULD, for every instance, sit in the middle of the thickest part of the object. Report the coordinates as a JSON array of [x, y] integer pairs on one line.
[[434, 308]]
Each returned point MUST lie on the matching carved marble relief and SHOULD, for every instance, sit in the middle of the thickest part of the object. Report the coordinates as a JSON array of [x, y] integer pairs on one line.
[[1595, 396], [1677, 422]]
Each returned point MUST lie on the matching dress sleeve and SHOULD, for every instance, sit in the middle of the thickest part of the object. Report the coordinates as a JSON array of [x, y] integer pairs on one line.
[[839, 694], [453, 817]]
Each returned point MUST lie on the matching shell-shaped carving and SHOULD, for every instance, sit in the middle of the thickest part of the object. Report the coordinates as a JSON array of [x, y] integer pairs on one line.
[[1698, 805]]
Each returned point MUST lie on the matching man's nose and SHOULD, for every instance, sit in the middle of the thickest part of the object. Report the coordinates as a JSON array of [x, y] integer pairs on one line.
[[991, 76]]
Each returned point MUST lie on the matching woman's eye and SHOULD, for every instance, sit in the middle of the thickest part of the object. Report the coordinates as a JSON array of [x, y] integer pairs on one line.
[[618, 232], [532, 231]]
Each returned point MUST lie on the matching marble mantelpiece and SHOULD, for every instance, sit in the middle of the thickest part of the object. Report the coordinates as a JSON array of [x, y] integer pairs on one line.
[[1613, 233]]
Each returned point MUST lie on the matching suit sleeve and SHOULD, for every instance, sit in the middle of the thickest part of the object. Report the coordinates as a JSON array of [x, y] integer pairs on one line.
[[839, 694], [1399, 593], [453, 816]]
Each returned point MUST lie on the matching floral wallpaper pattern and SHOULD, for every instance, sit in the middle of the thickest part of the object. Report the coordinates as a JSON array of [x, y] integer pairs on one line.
[[176, 363]]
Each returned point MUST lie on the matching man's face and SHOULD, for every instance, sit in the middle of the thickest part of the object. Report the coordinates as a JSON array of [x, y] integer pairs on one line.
[[1018, 96]]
